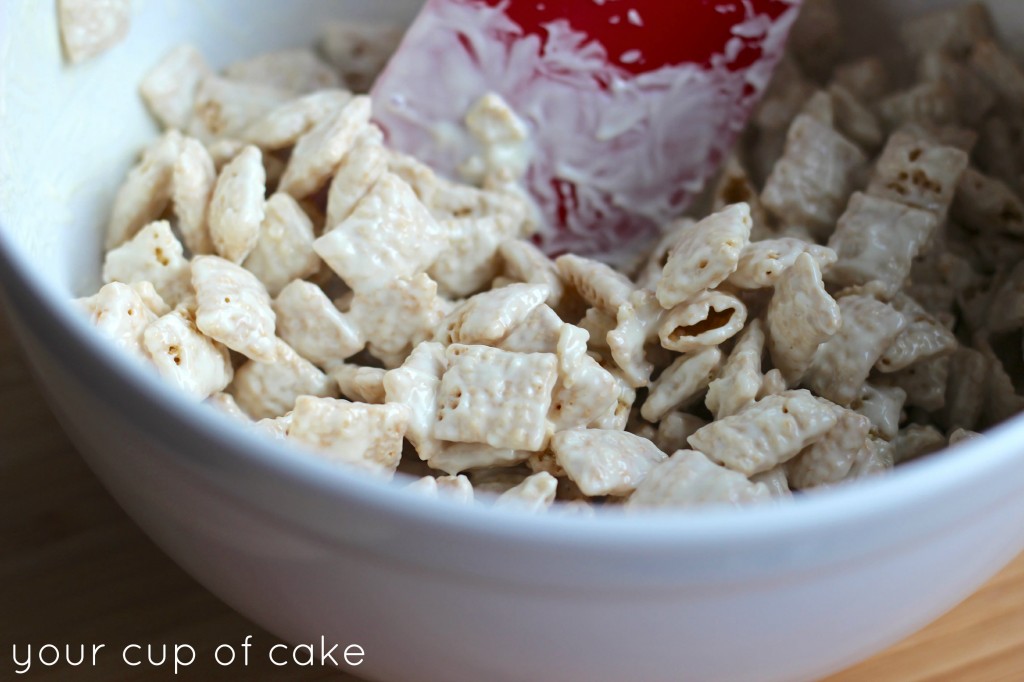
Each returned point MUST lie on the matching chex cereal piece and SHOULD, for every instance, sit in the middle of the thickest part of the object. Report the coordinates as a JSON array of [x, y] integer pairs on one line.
[[186, 357], [801, 317], [776, 480], [877, 240], [502, 138], [689, 479], [389, 234], [637, 324], [237, 207], [674, 428], [359, 50], [681, 383], [843, 362], [193, 179], [360, 384], [496, 397], [283, 125], [585, 390], [597, 284], [617, 415], [734, 187], [223, 108], [704, 254], [153, 300], [854, 119], [490, 316], [917, 172], [923, 383], [883, 406], [762, 263], [398, 315], [829, 460], [416, 384], [233, 307], [283, 251], [455, 457], [876, 457], [1001, 399], [535, 494], [269, 389], [739, 380], [598, 324], [225, 403], [364, 436], [772, 383], [1000, 71], [766, 433], [954, 30], [153, 255], [1006, 307], [974, 99], [295, 69], [960, 435], [985, 204], [319, 151], [810, 184], [965, 389], [275, 428], [816, 39], [146, 190], [707, 319], [927, 104], [866, 78], [539, 332], [455, 488], [361, 167], [916, 441], [91, 27], [310, 323], [923, 338], [524, 262], [471, 261], [169, 88], [605, 462], [648, 275], [120, 314]]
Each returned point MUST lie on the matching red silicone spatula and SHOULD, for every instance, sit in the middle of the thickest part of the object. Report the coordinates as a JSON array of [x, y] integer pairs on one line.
[[631, 104]]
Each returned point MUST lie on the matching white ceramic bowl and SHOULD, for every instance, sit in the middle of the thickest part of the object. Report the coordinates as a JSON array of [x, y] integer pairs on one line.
[[432, 590]]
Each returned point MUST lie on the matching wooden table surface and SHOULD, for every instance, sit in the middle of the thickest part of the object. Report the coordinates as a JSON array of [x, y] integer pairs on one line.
[[74, 569]]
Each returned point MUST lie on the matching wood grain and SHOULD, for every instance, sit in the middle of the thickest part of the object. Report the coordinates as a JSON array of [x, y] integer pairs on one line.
[[74, 569]]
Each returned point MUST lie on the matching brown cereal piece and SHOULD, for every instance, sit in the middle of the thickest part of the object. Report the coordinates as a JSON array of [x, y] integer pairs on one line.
[[153, 300], [926, 104], [923, 383], [120, 314], [674, 428], [398, 315], [617, 415], [284, 246], [186, 357], [360, 384], [169, 88], [360, 169], [960, 435], [270, 389], [495, 397], [153, 255], [843, 362], [320, 151], [704, 255], [916, 441], [359, 50], [535, 494], [866, 78], [490, 316], [223, 108], [882, 405], [502, 138], [690, 479], [876, 457], [974, 99], [924, 337], [539, 332], [637, 324], [829, 460], [237, 207], [416, 384], [597, 284], [193, 179], [524, 262], [455, 457], [471, 260], [364, 436], [225, 404], [801, 317], [146, 190], [816, 39], [817, 173], [773, 383], [309, 323], [985, 205], [1005, 311], [954, 30], [965, 389], [918, 173], [776, 480], [766, 433], [877, 240], [735, 186], [605, 462], [707, 319], [1000, 71], [681, 383], [762, 263], [389, 234], [584, 390], [739, 380], [295, 69], [91, 27], [282, 126], [233, 307]]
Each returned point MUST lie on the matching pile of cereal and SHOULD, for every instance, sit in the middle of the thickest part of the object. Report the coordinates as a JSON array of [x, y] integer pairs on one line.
[[854, 301]]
